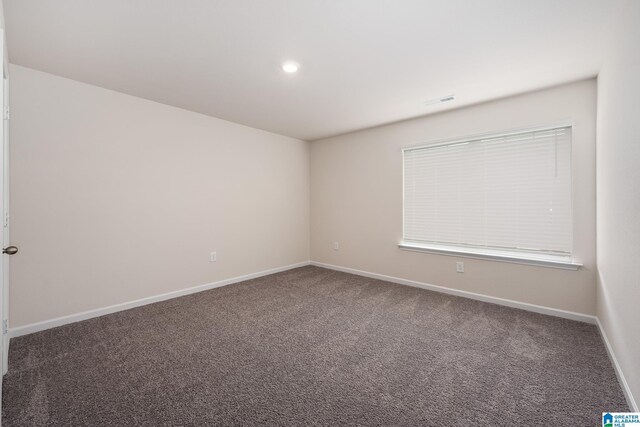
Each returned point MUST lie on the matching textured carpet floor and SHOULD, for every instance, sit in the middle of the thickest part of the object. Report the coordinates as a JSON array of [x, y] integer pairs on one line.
[[313, 347]]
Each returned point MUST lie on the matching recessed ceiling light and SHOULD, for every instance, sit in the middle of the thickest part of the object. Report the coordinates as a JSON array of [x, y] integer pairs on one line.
[[290, 67]]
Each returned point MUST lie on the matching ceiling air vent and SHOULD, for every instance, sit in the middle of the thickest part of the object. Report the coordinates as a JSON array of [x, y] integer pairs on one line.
[[440, 100]]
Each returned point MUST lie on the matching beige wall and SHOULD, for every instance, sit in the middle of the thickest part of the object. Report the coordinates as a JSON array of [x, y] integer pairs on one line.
[[115, 198], [618, 171], [356, 199]]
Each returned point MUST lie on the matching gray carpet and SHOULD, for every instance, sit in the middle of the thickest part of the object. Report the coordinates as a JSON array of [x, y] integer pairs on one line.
[[312, 346]]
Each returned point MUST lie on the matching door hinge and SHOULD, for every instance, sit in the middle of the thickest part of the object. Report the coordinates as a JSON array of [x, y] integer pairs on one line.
[[5, 327], [7, 112]]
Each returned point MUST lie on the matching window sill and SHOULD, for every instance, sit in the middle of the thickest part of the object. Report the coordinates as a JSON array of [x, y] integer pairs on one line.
[[494, 255]]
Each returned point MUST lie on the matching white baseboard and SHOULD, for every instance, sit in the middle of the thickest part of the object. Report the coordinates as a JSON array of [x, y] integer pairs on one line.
[[59, 321], [616, 367], [480, 297]]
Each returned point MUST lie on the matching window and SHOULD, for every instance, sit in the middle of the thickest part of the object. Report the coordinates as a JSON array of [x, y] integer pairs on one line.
[[504, 197]]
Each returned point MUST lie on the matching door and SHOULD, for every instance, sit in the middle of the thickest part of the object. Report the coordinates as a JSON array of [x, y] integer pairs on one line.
[[3, 263], [4, 212], [3, 311], [4, 215], [7, 249]]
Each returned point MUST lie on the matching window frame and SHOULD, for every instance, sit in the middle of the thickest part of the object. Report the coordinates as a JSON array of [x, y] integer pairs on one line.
[[567, 262]]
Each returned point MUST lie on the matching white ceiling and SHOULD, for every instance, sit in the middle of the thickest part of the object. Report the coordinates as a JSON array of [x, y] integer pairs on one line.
[[363, 62]]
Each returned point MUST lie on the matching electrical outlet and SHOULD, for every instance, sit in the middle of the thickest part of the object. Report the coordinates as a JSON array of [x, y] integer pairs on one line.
[[336, 246], [213, 257], [460, 267]]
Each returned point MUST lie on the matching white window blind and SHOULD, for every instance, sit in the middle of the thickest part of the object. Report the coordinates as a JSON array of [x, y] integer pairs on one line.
[[506, 193]]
